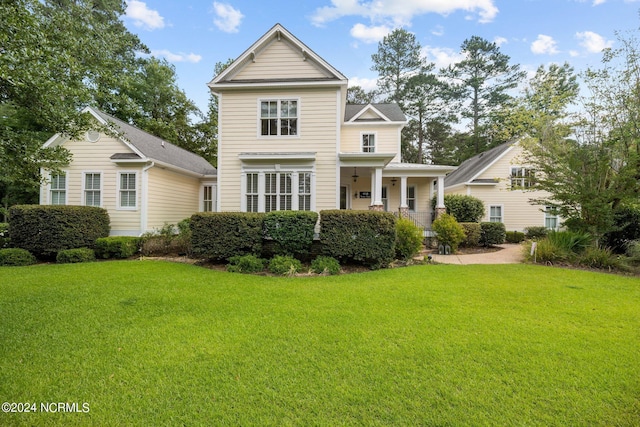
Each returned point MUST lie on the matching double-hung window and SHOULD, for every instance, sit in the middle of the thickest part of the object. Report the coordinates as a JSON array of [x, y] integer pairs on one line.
[[252, 193], [495, 213], [411, 198], [127, 190], [279, 117], [58, 191], [92, 189], [522, 177], [274, 190], [368, 143], [304, 191], [207, 198], [550, 218]]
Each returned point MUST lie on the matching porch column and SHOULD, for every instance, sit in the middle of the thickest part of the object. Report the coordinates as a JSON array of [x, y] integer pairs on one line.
[[440, 208], [376, 189], [404, 207]]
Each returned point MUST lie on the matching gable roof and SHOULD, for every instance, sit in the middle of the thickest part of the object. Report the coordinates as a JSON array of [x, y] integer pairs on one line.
[[152, 147], [470, 169], [226, 78], [389, 112]]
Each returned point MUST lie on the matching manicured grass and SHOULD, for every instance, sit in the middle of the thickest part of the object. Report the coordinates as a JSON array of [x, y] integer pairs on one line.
[[153, 343]]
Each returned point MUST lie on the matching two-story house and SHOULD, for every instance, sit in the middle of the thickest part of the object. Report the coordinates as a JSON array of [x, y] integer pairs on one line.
[[289, 140]]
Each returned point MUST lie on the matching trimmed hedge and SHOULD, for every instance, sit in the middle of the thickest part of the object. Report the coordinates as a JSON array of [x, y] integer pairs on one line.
[[514, 237], [45, 230], [463, 208], [536, 232], [69, 256], [16, 257], [117, 247], [493, 233], [291, 232], [365, 237], [473, 232], [221, 235]]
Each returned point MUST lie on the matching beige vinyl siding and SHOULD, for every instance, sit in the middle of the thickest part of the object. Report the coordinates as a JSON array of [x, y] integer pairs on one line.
[[279, 60], [172, 197], [386, 138], [517, 212], [422, 185], [317, 133], [95, 157]]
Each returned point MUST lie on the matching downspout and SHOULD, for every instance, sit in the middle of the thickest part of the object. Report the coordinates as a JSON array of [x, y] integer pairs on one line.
[[144, 197]]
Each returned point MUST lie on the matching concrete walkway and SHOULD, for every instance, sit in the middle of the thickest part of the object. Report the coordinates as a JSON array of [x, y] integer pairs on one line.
[[507, 254]]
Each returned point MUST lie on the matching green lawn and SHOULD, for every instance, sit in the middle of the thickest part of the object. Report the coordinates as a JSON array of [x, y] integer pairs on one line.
[[154, 343]]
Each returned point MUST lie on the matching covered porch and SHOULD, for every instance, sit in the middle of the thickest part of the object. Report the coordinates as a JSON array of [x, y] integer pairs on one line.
[[371, 181]]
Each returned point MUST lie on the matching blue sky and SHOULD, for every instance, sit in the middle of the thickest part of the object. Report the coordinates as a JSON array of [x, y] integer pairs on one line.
[[193, 35]]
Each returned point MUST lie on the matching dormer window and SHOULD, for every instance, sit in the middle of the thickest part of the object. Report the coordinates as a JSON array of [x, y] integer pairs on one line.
[[279, 117], [368, 143]]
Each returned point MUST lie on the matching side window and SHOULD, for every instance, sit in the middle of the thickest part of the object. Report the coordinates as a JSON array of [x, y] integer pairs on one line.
[[92, 189], [127, 190], [495, 214], [58, 192]]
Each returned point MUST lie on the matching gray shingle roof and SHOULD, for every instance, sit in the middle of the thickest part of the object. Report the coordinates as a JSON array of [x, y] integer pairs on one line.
[[156, 148], [470, 168], [391, 111]]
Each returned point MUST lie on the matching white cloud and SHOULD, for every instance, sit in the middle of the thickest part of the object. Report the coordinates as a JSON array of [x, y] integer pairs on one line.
[[228, 18], [366, 84], [441, 57], [142, 16], [597, 2], [372, 34], [438, 30], [593, 42], [401, 12], [177, 57], [544, 45], [499, 41]]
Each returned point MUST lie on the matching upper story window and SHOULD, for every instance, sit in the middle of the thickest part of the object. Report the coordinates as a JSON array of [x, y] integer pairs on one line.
[[58, 189], [279, 117], [522, 177], [368, 143]]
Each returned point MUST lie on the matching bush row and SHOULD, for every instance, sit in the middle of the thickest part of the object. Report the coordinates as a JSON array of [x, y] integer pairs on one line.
[[281, 265], [362, 237], [46, 230]]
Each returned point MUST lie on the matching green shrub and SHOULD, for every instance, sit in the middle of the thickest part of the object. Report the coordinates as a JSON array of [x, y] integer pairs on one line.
[[325, 265], [408, 239], [284, 265], [291, 232], [514, 237], [601, 258], [492, 233], [45, 230], [448, 231], [16, 257], [547, 253], [117, 247], [245, 264], [68, 256], [365, 237], [633, 252], [168, 240], [4, 235], [570, 242], [536, 233], [463, 208], [626, 228], [221, 235], [472, 232]]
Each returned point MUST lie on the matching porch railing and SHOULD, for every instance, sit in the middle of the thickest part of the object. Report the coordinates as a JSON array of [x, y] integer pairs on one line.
[[420, 219]]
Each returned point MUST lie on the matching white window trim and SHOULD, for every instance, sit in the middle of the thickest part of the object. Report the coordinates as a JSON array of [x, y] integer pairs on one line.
[[520, 177], [501, 212], [66, 187], [547, 215], [84, 183], [278, 100], [214, 195], [261, 171], [119, 206], [375, 141], [415, 197]]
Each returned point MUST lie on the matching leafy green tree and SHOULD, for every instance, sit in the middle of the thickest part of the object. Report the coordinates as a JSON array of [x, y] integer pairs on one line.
[[398, 58], [357, 95], [481, 83], [592, 167], [54, 54]]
